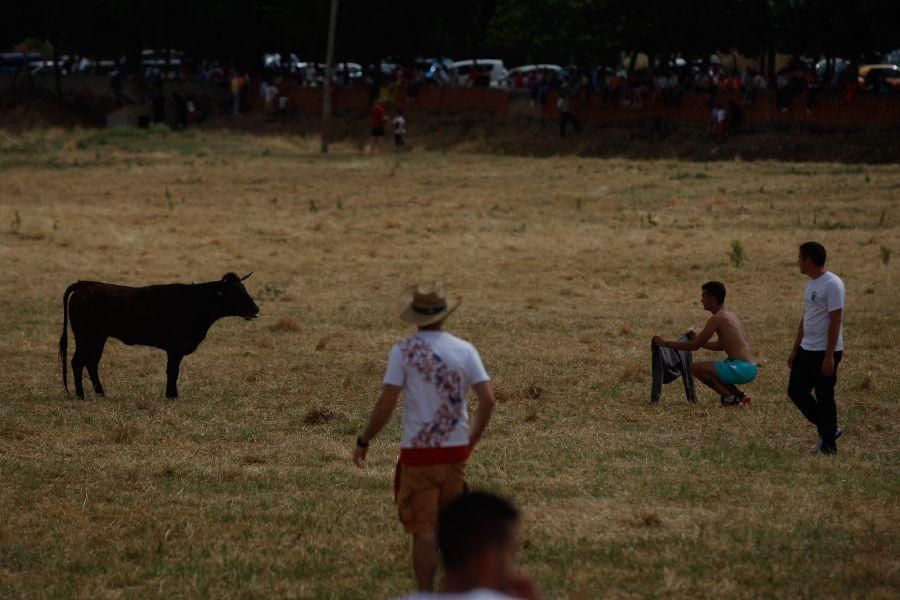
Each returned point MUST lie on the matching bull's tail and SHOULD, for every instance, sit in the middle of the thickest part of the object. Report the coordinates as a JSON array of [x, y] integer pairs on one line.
[[64, 338]]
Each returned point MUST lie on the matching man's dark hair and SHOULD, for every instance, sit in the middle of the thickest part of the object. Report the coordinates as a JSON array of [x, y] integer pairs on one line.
[[815, 252], [472, 522], [716, 289]]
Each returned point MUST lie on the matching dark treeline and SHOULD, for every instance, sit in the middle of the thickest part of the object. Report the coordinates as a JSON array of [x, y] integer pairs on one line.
[[561, 31]]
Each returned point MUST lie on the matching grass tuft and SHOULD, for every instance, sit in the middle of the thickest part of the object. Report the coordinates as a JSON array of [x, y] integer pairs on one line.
[[736, 254], [284, 324]]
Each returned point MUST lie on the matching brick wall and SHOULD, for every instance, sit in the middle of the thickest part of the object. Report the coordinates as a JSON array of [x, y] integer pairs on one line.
[[428, 98], [824, 108], [827, 108]]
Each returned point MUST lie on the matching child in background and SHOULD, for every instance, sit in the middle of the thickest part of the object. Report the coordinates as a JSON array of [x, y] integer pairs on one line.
[[718, 122], [399, 128], [721, 123]]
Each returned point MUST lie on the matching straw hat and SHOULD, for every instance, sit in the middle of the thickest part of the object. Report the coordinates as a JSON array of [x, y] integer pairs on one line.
[[425, 303]]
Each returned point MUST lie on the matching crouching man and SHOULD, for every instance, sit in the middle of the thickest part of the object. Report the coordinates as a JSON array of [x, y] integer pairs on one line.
[[739, 368]]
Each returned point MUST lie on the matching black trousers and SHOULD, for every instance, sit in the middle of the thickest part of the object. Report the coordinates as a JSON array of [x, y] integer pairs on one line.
[[567, 117], [820, 410]]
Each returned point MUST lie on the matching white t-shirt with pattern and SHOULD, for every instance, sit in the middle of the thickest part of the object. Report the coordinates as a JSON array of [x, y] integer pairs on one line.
[[436, 371]]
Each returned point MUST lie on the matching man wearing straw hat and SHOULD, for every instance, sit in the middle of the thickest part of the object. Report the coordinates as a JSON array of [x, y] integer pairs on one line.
[[434, 370]]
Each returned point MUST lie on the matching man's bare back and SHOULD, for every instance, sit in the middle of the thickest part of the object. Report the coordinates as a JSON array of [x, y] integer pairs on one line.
[[732, 338], [721, 376]]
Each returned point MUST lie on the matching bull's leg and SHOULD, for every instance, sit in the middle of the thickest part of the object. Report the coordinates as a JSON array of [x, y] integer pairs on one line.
[[172, 367], [93, 362], [77, 369]]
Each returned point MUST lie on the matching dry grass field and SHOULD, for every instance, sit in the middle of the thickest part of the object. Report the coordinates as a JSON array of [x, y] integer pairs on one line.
[[567, 266]]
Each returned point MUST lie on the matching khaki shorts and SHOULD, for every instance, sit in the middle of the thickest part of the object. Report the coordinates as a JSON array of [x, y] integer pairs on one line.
[[423, 490]]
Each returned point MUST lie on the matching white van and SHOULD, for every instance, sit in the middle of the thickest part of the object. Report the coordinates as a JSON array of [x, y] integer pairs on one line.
[[492, 67]]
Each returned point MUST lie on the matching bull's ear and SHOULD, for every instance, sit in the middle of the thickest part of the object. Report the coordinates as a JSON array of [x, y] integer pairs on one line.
[[230, 277], [247, 275]]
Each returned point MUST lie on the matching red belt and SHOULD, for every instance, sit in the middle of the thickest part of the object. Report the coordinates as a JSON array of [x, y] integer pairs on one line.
[[417, 457]]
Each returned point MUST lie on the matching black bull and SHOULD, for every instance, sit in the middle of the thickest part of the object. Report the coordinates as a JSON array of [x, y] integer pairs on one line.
[[174, 318]]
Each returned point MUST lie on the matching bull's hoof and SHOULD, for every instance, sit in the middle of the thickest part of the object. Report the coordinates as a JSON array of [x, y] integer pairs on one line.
[[168, 397]]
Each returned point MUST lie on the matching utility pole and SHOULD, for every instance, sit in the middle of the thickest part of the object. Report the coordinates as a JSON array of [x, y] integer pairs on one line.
[[326, 88]]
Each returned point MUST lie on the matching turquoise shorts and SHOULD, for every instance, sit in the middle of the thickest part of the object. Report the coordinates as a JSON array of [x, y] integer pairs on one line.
[[735, 371]]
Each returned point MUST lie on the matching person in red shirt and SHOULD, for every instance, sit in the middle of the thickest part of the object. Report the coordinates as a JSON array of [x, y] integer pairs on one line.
[[518, 80], [376, 122], [472, 77]]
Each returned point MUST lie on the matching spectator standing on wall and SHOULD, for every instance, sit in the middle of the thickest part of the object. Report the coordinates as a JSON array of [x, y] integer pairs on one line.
[[442, 76], [782, 91], [269, 94], [565, 112], [237, 85], [735, 116], [472, 75], [748, 91]]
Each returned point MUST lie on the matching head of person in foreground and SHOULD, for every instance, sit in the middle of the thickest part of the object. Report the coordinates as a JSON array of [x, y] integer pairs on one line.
[[478, 536]]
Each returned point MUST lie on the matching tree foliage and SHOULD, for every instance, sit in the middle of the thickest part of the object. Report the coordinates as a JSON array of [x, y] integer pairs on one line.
[[562, 31]]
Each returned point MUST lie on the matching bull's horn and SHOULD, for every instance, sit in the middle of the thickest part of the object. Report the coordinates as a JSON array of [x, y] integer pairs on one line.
[[247, 275]]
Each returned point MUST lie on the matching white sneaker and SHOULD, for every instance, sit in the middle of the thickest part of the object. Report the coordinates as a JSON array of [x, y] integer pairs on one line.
[[817, 447]]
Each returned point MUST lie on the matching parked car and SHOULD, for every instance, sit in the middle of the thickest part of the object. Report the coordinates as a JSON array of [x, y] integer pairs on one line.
[[153, 63], [157, 58], [388, 68], [283, 63], [430, 66], [490, 69], [524, 70], [871, 75], [89, 66], [822, 67], [350, 72], [10, 62]]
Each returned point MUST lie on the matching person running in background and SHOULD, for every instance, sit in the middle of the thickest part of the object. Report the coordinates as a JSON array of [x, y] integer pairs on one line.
[[376, 122]]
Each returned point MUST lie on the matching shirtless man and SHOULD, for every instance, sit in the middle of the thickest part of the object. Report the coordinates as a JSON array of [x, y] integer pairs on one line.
[[723, 375]]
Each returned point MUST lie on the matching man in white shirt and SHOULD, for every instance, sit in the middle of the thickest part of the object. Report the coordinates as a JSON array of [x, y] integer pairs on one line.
[[819, 347], [435, 371], [478, 538]]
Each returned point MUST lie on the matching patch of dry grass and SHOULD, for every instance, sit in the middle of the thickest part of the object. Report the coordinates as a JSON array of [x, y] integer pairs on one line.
[[567, 267]]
